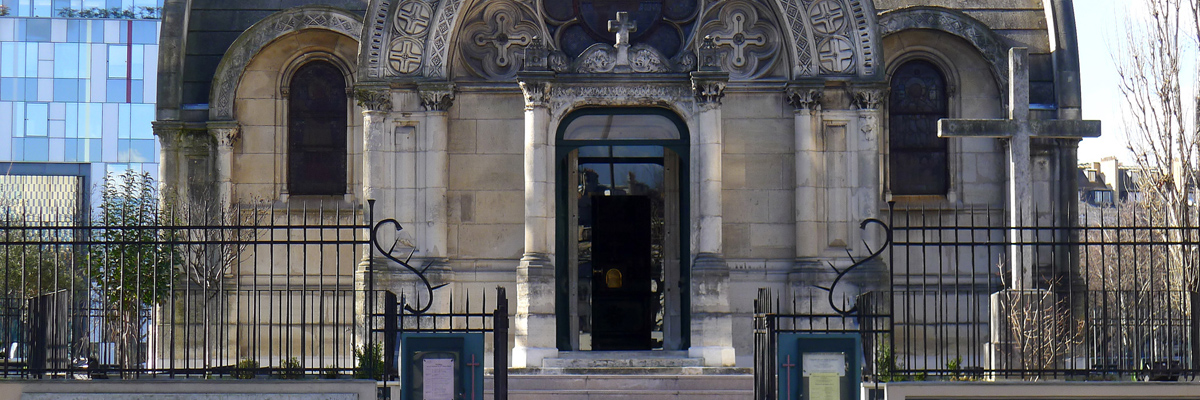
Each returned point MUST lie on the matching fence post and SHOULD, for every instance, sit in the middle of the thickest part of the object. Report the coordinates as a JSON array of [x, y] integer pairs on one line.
[[500, 346], [390, 333], [37, 337]]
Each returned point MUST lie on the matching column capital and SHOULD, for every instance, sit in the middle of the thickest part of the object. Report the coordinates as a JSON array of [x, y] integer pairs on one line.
[[226, 132], [373, 98], [168, 133], [536, 88], [436, 96], [709, 88], [868, 98], [804, 98]]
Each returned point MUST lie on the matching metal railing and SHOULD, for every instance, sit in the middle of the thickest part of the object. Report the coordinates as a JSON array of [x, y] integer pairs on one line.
[[260, 290], [1110, 296]]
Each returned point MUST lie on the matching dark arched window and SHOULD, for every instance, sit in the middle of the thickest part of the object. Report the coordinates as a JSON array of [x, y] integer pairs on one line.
[[918, 158], [317, 130]]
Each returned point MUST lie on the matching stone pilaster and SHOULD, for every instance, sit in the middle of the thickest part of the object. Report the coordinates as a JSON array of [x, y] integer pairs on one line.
[[436, 98], [868, 185], [711, 321], [535, 328], [225, 133]]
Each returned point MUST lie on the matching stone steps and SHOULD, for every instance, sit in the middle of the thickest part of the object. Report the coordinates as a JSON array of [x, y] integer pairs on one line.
[[603, 386]]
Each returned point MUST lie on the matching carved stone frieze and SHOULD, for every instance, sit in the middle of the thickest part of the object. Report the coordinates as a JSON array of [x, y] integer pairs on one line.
[[373, 99], [565, 98], [492, 42], [602, 58], [438, 43], [746, 37], [804, 98], [830, 37], [436, 96]]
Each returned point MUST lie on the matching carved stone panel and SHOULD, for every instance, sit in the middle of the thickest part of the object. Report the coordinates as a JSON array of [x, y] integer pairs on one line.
[[493, 40], [410, 26], [830, 37], [746, 36]]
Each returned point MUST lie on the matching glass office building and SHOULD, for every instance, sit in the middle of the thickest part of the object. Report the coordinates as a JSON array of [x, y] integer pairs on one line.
[[77, 86]]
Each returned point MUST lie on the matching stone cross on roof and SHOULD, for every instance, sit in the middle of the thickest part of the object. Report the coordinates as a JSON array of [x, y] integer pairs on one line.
[[622, 26], [1019, 130]]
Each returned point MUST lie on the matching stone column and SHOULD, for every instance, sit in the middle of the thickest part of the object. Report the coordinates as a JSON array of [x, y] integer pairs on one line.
[[169, 135], [436, 98], [376, 103], [535, 329], [711, 322], [810, 192], [225, 133], [807, 114]]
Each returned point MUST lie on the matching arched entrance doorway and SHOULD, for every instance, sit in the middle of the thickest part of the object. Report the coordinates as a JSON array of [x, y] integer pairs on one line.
[[622, 264]]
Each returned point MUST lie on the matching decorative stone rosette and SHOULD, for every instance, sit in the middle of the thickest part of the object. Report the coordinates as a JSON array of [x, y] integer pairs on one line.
[[746, 37], [493, 40]]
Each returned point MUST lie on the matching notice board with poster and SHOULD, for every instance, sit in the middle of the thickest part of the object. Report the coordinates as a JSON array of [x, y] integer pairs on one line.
[[819, 366], [441, 366]]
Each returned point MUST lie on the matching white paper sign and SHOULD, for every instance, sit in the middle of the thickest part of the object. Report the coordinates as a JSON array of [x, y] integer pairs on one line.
[[827, 363], [437, 381]]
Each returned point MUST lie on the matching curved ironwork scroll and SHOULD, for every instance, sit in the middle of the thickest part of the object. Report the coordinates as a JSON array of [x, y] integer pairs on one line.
[[874, 254], [419, 272]]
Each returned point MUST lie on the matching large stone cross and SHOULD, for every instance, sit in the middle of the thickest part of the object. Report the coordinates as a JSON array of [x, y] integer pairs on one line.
[[1019, 129]]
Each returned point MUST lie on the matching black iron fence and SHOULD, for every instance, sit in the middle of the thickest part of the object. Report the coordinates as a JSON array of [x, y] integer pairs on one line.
[[255, 290], [1107, 297], [466, 314]]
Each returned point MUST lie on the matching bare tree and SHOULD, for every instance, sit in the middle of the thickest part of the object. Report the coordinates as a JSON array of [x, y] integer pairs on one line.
[[1154, 58], [214, 239]]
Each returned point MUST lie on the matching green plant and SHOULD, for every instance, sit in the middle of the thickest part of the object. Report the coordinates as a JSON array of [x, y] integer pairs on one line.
[[956, 373], [3, 10], [885, 361], [291, 369], [140, 12], [132, 265], [332, 373], [369, 362], [247, 368]]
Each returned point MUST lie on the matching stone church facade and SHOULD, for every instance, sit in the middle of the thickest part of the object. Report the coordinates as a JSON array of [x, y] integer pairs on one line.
[[631, 170]]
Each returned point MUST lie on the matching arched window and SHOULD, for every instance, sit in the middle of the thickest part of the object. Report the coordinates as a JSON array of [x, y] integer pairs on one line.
[[918, 159], [317, 130]]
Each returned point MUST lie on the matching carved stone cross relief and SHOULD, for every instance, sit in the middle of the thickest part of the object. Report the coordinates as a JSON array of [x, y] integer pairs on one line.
[[739, 38], [501, 40]]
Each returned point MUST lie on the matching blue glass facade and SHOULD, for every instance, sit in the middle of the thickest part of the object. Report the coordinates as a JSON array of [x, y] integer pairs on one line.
[[79, 89]]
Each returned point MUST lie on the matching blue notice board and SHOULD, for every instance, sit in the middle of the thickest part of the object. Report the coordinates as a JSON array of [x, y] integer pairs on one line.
[[441, 366], [819, 366]]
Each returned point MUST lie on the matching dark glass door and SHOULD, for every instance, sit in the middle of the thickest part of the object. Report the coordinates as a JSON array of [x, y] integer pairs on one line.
[[622, 296]]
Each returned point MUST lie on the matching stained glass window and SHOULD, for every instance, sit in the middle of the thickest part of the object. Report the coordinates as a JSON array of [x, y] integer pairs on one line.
[[317, 131], [918, 162]]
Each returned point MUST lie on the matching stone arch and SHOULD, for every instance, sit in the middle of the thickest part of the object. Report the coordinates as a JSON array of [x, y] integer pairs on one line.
[[990, 45], [233, 65], [262, 99], [848, 25]]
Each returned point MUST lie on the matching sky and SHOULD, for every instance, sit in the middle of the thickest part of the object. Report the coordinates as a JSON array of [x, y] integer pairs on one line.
[[1096, 23]]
